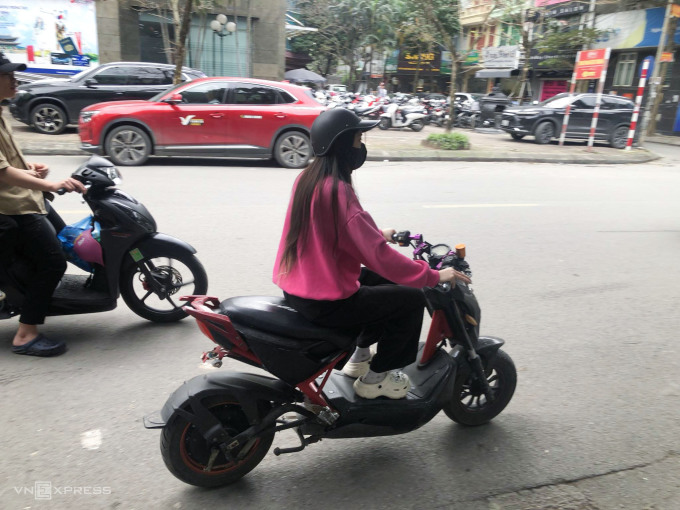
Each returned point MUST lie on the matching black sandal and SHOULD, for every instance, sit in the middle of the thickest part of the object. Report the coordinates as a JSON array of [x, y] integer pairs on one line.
[[40, 346]]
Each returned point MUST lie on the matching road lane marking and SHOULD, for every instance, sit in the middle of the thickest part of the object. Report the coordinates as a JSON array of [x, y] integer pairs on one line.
[[453, 206], [91, 439]]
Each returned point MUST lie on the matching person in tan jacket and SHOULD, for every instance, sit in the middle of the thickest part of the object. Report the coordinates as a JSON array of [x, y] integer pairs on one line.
[[24, 226]]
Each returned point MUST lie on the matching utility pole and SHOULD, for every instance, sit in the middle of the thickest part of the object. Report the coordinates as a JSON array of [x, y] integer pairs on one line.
[[655, 81]]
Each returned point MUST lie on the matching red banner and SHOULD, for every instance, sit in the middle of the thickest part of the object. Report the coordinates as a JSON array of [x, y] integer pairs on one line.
[[590, 64]]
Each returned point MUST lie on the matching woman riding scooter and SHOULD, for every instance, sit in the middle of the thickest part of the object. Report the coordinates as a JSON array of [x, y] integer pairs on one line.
[[326, 239]]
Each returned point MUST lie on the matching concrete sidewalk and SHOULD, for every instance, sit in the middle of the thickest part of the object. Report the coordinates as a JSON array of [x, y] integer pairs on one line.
[[406, 145]]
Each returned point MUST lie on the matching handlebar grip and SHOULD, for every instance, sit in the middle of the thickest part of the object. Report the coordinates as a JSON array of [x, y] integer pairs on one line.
[[402, 238], [61, 191]]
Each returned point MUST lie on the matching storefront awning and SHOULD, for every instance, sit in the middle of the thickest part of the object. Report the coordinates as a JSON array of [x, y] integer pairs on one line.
[[500, 72]]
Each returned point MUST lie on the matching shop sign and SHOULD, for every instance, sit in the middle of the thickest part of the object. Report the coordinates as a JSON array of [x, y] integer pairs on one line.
[[666, 56], [501, 56], [425, 63], [566, 10], [471, 59]]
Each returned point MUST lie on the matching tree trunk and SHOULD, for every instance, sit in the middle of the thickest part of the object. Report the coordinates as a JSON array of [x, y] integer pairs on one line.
[[669, 46], [180, 49], [452, 88], [416, 76]]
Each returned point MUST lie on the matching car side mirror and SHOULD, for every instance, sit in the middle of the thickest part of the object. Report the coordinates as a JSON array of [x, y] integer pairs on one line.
[[173, 99], [90, 82]]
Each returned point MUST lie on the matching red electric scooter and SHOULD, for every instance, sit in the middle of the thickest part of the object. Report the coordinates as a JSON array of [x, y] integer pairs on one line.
[[218, 427]]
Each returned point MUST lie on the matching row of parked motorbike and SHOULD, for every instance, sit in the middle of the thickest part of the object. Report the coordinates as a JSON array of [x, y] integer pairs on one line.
[[408, 111]]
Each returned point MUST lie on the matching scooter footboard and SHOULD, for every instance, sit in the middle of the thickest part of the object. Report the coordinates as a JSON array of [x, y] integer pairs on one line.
[[246, 388]]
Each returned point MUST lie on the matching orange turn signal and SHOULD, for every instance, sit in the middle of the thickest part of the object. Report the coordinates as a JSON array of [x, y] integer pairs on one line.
[[460, 251]]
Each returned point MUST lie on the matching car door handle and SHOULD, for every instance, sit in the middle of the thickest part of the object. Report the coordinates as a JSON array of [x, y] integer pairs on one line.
[[217, 115], [120, 93], [280, 115]]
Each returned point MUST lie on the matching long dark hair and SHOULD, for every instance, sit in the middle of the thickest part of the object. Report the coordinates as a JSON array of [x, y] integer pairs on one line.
[[335, 164]]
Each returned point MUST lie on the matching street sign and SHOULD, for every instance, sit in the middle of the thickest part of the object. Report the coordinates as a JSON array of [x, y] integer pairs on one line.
[[590, 64]]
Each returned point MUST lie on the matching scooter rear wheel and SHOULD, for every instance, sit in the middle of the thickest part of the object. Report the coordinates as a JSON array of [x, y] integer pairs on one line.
[[187, 454], [469, 406]]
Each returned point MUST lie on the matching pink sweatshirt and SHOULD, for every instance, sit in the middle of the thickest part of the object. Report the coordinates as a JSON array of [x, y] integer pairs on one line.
[[323, 275]]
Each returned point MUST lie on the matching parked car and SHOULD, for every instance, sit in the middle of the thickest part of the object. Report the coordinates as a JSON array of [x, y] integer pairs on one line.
[[543, 121], [50, 105], [222, 117]]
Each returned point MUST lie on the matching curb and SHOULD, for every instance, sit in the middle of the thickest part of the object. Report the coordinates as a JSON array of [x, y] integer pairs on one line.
[[514, 158], [641, 156]]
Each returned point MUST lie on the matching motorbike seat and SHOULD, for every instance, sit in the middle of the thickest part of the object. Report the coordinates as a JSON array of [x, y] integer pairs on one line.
[[274, 315]]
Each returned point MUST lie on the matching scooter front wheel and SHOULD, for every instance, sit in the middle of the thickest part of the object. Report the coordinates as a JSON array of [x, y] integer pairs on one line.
[[189, 457], [152, 287], [469, 405], [384, 123]]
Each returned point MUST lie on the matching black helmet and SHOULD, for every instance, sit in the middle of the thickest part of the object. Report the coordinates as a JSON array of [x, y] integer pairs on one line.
[[332, 123]]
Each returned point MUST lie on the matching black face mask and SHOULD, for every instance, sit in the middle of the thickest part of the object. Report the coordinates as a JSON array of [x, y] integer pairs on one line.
[[357, 156]]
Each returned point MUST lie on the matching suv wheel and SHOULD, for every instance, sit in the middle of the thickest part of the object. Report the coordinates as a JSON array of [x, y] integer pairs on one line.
[[128, 146], [619, 137], [48, 119], [293, 150], [544, 132]]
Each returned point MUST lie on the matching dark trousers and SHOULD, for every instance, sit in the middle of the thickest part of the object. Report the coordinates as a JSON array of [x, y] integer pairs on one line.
[[380, 311], [33, 238]]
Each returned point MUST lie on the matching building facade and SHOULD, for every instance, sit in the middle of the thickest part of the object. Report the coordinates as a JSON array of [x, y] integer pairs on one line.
[[256, 48]]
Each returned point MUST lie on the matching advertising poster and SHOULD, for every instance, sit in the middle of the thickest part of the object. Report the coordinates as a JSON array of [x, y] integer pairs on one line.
[[50, 36], [633, 29]]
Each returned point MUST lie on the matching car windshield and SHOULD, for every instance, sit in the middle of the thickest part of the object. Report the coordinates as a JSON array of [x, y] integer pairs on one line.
[[158, 96], [558, 101]]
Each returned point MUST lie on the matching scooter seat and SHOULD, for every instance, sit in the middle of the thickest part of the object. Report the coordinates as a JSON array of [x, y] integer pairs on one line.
[[274, 315]]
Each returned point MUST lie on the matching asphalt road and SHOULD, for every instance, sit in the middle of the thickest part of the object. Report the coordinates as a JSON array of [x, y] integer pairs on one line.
[[575, 266]]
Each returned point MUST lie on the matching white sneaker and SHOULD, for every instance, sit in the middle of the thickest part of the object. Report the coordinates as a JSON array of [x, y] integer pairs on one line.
[[356, 370], [395, 385]]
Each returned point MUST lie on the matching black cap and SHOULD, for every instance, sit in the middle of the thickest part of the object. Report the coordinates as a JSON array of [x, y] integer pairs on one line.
[[7, 66], [331, 124]]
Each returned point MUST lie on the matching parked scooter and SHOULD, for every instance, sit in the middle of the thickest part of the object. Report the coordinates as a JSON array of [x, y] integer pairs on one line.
[[393, 118], [218, 426], [130, 258]]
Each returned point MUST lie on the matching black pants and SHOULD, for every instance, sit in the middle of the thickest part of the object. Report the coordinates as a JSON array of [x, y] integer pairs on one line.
[[33, 238], [379, 311]]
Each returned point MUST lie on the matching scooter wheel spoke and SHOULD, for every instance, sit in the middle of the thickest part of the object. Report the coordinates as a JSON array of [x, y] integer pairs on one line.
[[147, 292], [146, 296]]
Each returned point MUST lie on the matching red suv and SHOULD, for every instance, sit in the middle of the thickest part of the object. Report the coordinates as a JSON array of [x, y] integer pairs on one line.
[[223, 117]]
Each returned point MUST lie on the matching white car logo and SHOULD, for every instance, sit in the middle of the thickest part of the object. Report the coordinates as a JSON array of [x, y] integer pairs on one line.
[[185, 120]]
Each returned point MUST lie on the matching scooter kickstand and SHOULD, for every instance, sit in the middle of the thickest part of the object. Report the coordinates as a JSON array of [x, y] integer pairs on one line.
[[303, 444]]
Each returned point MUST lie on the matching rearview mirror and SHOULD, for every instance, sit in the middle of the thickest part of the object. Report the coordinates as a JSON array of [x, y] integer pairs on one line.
[[173, 99], [90, 82]]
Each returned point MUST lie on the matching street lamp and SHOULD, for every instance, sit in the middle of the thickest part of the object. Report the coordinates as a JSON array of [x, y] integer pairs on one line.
[[222, 28]]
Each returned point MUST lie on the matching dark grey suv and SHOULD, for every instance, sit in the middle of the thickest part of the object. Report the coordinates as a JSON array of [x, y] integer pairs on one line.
[[543, 121], [52, 104]]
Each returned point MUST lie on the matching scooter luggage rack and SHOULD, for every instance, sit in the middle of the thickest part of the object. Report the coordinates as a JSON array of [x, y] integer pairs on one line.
[[202, 308]]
